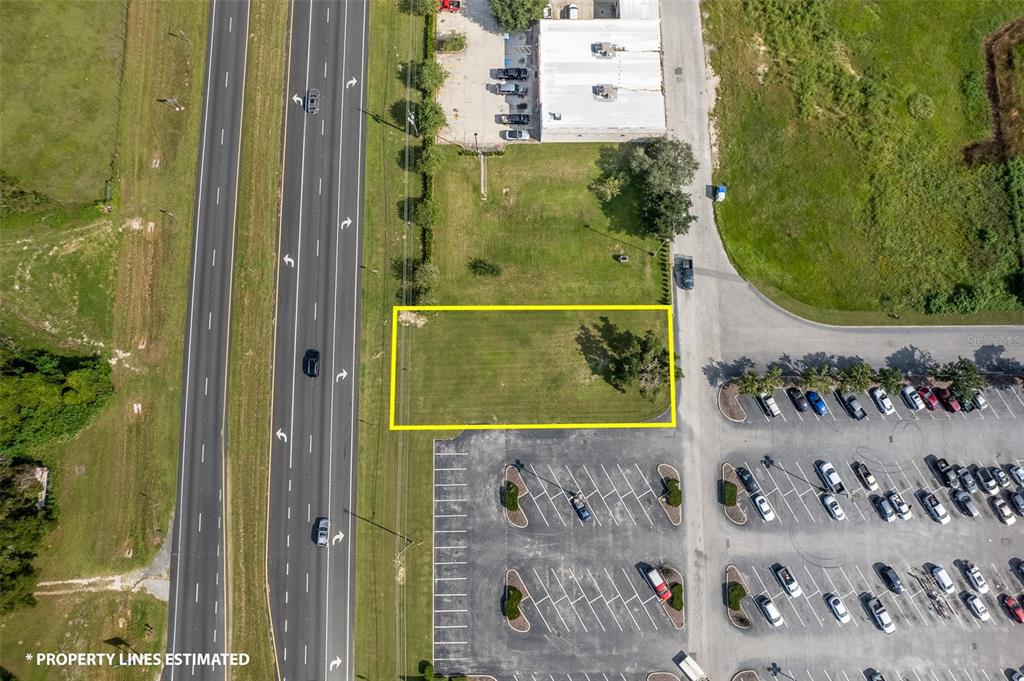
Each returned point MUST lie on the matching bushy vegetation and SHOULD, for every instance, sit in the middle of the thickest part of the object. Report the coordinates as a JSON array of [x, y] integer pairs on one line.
[[22, 526], [46, 397], [451, 42], [660, 167], [430, 76], [517, 15], [513, 597], [510, 496], [642, 363], [962, 375], [843, 128], [736, 594], [728, 493], [676, 602], [674, 496]]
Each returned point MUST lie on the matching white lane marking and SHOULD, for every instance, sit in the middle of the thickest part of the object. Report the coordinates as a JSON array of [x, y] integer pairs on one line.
[[308, 511], [209, 321], [200, 522], [318, 247], [206, 386], [310, 444], [218, 196], [230, 22], [325, 69], [314, 310], [202, 454], [320, 186], [226, 74], [213, 259], [289, 513], [322, 127], [222, 137], [307, 582], [197, 592]]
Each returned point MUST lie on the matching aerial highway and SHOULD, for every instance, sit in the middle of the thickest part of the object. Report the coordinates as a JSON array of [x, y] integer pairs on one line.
[[197, 608], [314, 417]]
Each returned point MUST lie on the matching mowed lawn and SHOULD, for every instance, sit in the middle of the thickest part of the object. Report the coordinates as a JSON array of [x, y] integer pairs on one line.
[[554, 241], [61, 64], [517, 367], [841, 134]]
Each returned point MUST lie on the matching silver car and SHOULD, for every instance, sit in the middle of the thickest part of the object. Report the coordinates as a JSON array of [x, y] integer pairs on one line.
[[323, 529]]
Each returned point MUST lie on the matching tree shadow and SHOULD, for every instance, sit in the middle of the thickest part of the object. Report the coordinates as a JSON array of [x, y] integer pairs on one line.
[[817, 359], [843, 362], [717, 371], [990, 359], [601, 345], [911, 360]]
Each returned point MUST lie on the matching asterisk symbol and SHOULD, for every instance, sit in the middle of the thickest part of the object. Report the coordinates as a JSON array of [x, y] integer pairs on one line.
[[28, 656]]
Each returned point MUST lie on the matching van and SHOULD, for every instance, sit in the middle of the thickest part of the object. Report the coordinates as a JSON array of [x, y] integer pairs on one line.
[[658, 584], [769, 610], [941, 578], [690, 668]]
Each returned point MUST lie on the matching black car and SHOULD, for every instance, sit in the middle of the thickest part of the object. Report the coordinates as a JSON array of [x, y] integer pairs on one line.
[[799, 400], [967, 480], [513, 74], [747, 478], [517, 119], [853, 406], [947, 474], [313, 101], [686, 273], [891, 579], [311, 363]]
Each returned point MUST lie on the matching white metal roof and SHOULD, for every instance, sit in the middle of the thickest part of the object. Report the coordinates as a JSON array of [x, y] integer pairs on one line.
[[570, 70], [639, 9]]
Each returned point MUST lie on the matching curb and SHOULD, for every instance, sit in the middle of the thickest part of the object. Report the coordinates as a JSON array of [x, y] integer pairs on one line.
[[738, 404]]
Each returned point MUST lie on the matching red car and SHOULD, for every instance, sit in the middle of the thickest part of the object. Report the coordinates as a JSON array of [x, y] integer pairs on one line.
[[948, 400], [1016, 611], [930, 400]]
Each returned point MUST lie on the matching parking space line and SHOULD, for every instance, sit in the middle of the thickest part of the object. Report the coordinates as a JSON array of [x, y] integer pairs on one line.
[[597, 490], [548, 596], [586, 497], [800, 495], [778, 489], [1014, 391], [572, 603], [633, 492], [564, 495], [618, 494], [764, 587], [917, 675], [604, 599], [999, 394], [590, 603], [817, 589], [623, 600], [648, 482], [547, 495], [643, 603]]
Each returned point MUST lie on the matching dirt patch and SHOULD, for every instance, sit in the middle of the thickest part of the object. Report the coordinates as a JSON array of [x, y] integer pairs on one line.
[[410, 318], [662, 676], [1007, 140], [734, 513], [729, 404], [520, 624], [763, 59], [739, 618], [746, 675], [674, 513], [516, 518]]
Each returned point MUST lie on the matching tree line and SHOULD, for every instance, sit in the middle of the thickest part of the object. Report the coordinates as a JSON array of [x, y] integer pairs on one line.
[[961, 375]]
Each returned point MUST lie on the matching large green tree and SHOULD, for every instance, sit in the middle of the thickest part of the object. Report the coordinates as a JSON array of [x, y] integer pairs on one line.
[[643, 363], [817, 378], [515, 16], [856, 378], [962, 375], [660, 168], [891, 379]]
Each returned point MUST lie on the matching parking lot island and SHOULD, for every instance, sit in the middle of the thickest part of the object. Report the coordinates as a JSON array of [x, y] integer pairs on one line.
[[729, 404], [737, 616], [662, 676], [670, 477], [678, 617], [734, 512], [514, 513], [514, 581]]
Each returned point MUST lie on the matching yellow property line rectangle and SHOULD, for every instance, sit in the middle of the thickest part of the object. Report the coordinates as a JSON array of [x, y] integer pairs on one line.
[[395, 310]]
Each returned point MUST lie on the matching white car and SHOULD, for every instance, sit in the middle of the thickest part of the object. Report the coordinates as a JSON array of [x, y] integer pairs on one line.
[[764, 509], [1017, 473], [977, 607], [979, 400], [838, 608], [770, 407], [882, 401], [833, 507], [516, 134], [769, 610], [1003, 511], [911, 397], [942, 579], [829, 476], [976, 579], [936, 509], [901, 507], [881, 616]]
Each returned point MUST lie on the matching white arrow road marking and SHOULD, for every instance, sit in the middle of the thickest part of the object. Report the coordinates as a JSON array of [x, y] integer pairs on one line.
[[297, 99], [335, 663], [288, 260], [337, 538], [281, 436], [350, 83], [345, 223], [342, 374]]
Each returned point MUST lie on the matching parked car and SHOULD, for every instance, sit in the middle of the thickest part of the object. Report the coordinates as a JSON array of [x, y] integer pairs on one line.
[[866, 477], [313, 101], [833, 507], [1003, 511], [881, 616], [935, 509], [977, 607], [885, 509], [966, 404], [1017, 501], [947, 399], [1017, 473], [1002, 479], [657, 583], [965, 503], [579, 503], [769, 405], [311, 363], [882, 401], [928, 398], [769, 610], [985, 479], [902, 507], [818, 404], [517, 119], [838, 608], [891, 579], [853, 406], [513, 74], [511, 89], [798, 398], [748, 480], [829, 476], [787, 580], [323, 529], [512, 135], [912, 398], [947, 474], [764, 509], [686, 274], [966, 480], [942, 579], [975, 578], [1014, 608], [979, 400]]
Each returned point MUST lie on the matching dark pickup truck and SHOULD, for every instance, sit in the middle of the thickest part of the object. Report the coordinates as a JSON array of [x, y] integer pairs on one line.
[[686, 273], [947, 474], [517, 119]]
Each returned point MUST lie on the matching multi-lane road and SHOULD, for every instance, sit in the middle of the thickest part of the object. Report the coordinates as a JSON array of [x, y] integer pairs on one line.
[[313, 462], [197, 608]]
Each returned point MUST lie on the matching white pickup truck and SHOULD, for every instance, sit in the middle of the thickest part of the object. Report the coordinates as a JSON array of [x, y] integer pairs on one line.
[[690, 668]]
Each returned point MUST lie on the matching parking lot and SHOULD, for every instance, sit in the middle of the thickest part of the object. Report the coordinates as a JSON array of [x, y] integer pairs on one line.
[[589, 605]]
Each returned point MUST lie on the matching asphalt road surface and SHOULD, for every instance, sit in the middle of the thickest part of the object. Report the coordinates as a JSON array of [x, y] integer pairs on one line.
[[197, 612], [314, 418]]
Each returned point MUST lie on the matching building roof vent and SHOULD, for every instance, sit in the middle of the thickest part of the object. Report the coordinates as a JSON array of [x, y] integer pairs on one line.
[[603, 50], [606, 93]]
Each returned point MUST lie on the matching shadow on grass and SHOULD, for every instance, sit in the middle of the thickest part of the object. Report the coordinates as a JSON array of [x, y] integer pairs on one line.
[[601, 345]]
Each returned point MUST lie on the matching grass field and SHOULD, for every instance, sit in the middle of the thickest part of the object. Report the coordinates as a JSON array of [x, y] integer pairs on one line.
[[84, 622], [61, 62], [841, 133], [114, 482], [516, 367], [553, 239], [252, 323]]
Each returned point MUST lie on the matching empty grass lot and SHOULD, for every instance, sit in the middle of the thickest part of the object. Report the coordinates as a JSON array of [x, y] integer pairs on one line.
[[523, 366], [61, 64], [841, 133], [552, 238]]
